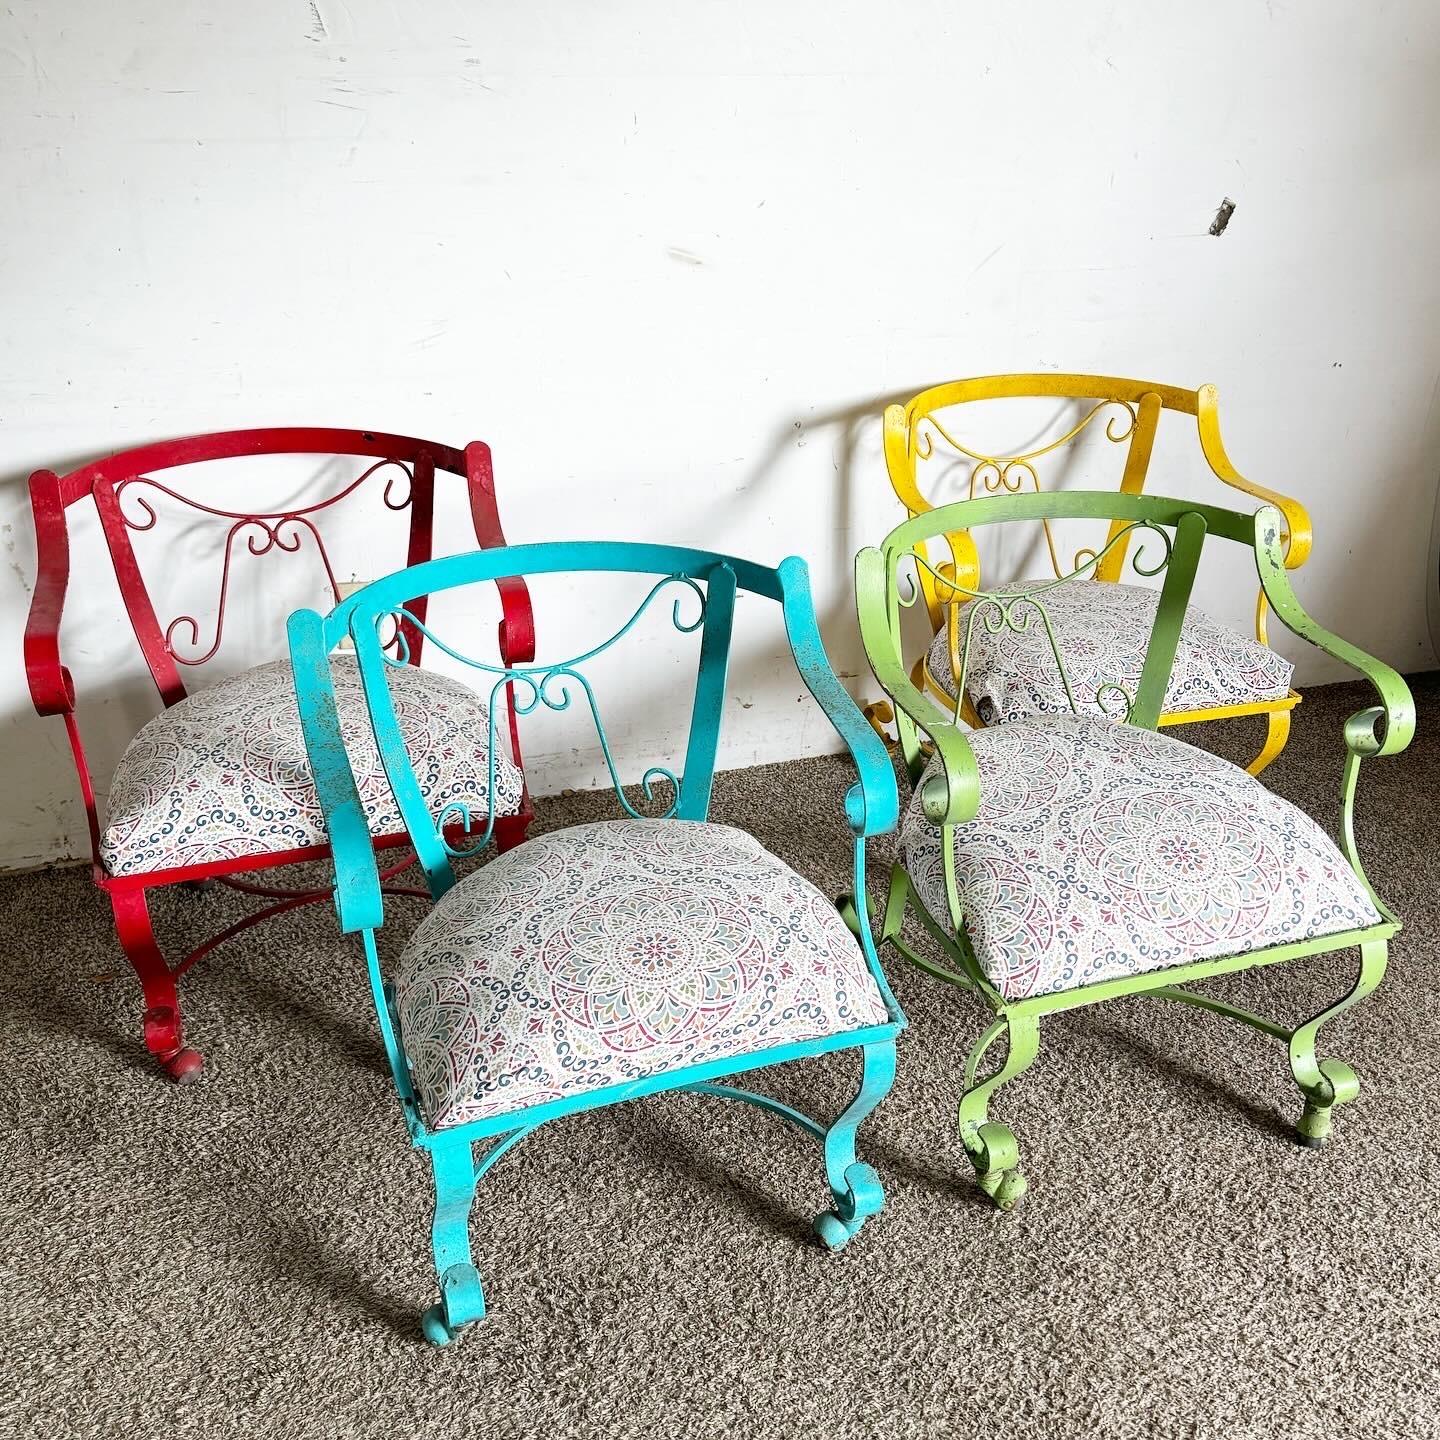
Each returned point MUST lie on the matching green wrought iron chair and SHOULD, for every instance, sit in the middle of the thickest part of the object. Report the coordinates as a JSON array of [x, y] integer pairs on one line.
[[606, 961], [1066, 860]]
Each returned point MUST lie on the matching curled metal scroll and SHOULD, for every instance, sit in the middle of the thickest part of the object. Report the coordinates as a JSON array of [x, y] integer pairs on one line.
[[263, 532], [1015, 609], [1009, 474], [553, 686]]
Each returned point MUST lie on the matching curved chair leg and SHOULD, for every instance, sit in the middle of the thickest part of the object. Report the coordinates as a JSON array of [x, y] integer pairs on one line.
[[462, 1301], [1327, 1083], [854, 1185], [1277, 732], [164, 1037], [991, 1146]]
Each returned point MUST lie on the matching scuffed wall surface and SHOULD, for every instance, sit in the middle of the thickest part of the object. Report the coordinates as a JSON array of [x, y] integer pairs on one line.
[[672, 260]]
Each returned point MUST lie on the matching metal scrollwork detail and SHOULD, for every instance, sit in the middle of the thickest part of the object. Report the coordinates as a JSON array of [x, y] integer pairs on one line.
[[1167, 546], [996, 474], [1016, 609], [282, 530], [404, 617], [925, 440], [1106, 696], [999, 612], [553, 687], [952, 592]]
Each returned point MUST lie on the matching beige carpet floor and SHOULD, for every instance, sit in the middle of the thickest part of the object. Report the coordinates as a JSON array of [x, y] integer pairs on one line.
[[248, 1257]]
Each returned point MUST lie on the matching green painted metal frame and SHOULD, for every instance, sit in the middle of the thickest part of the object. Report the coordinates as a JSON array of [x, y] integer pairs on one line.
[[871, 808], [952, 796]]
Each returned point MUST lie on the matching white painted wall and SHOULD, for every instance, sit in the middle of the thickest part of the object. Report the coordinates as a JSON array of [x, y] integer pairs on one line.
[[671, 260]]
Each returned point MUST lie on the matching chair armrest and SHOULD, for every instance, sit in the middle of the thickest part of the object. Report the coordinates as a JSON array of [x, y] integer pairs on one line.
[[1397, 705], [357, 876], [517, 628], [952, 797], [872, 805], [51, 688], [1297, 531]]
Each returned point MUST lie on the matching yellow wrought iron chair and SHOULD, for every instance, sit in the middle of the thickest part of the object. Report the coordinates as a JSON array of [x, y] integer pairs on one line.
[[1219, 674]]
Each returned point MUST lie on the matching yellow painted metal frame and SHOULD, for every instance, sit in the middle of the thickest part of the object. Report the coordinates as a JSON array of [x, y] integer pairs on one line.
[[1135, 407]]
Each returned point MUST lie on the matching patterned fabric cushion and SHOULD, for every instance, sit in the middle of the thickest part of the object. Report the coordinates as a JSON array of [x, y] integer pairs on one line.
[[1102, 851], [223, 773], [1102, 630], [614, 951]]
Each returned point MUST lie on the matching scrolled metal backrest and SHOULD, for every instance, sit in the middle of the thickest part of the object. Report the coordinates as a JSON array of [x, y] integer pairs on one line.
[[1018, 608], [126, 494], [700, 588], [1128, 412], [1169, 533], [554, 686], [279, 531]]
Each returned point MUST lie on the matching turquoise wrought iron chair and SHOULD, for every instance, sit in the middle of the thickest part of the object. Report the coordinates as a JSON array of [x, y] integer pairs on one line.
[[607, 961], [1060, 861]]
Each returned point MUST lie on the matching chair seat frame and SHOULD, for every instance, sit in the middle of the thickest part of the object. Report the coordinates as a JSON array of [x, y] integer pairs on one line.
[[121, 488], [871, 808], [1133, 408], [951, 797]]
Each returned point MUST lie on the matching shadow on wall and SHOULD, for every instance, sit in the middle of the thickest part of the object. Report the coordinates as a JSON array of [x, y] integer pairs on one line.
[[858, 500], [864, 510]]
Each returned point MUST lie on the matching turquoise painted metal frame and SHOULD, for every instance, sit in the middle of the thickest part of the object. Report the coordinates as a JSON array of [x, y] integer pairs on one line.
[[871, 808], [951, 797]]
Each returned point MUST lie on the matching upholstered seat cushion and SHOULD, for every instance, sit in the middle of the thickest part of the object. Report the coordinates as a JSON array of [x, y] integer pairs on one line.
[[1103, 851], [224, 774], [1102, 630], [610, 952]]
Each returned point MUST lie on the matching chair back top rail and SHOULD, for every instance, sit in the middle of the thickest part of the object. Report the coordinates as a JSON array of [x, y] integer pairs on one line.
[[1023, 385], [233, 444]]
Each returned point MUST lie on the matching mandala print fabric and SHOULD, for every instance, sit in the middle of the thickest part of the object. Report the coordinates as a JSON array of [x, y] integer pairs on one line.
[[224, 774], [1103, 851], [614, 951], [1102, 630]]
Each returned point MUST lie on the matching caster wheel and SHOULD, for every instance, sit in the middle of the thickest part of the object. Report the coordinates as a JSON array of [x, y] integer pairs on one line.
[[1313, 1128], [1009, 1195], [832, 1231], [433, 1323], [184, 1066]]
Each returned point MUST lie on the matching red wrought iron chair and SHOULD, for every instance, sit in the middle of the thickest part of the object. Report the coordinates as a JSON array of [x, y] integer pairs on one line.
[[218, 784]]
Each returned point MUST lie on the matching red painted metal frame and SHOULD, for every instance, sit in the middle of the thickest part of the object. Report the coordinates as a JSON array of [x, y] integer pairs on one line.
[[53, 691]]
